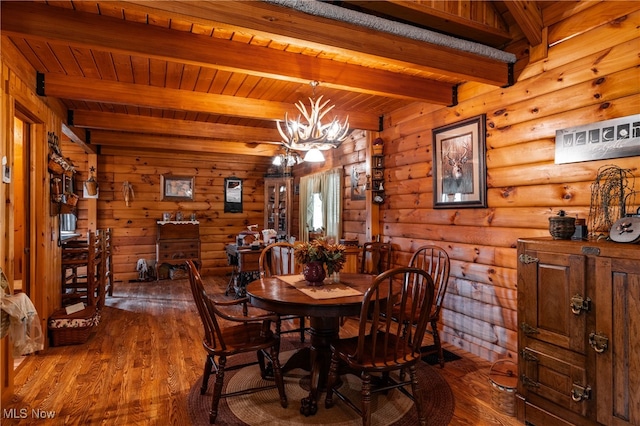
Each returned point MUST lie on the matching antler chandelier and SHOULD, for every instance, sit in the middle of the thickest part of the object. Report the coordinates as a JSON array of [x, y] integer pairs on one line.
[[313, 136]]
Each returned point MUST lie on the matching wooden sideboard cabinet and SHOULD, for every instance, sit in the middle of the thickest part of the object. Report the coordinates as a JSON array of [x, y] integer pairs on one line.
[[579, 321], [177, 242]]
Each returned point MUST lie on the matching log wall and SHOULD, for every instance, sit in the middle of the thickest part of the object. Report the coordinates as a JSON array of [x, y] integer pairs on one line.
[[134, 226], [590, 75]]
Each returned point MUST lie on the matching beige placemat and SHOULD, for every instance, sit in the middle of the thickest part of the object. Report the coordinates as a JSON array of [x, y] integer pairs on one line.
[[329, 290]]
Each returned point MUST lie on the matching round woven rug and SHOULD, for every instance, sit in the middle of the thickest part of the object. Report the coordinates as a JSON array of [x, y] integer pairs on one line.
[[263, 408]]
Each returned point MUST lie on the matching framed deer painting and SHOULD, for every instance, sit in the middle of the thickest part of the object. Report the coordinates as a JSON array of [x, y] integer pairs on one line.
[[459, 167]]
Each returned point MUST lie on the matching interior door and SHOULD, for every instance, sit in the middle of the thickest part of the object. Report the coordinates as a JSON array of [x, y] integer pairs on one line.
[[21, 197]]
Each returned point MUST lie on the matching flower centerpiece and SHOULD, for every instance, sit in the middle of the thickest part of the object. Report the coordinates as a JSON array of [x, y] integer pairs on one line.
[[317, 254]]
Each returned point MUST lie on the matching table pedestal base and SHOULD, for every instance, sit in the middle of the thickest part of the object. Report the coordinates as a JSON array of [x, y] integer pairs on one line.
[[278, 295], [315, 359]]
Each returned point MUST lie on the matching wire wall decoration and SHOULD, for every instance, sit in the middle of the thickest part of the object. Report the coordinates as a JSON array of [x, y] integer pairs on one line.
[[612, 197]]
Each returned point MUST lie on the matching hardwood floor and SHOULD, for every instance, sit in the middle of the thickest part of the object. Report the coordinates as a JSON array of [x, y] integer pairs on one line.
[[145, 355]]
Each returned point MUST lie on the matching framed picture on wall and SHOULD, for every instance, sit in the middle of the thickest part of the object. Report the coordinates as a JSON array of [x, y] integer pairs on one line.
[[358, 184], [233, 195], [176, 188], [6, 171], [459, 167]]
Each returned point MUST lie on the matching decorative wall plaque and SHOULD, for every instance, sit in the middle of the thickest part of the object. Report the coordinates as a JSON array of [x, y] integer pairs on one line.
[[615, 138]]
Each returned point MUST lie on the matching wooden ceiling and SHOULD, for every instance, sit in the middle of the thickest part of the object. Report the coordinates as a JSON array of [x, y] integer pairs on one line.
[[214, 76]]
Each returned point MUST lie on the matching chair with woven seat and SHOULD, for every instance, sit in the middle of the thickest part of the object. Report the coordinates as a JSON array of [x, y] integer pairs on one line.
[[435, 261], [81, 283], [228, 333], [383, 345], [279, 259], [376, 257]]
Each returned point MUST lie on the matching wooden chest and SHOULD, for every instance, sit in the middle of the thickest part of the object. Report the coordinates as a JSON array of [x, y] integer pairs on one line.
[[578, 317], [177, 242]]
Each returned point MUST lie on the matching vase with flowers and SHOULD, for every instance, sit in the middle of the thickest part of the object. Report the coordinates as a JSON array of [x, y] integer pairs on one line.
[[317, 255]]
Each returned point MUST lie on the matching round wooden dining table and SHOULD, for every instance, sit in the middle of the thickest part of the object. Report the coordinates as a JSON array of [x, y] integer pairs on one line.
[[280, 296]]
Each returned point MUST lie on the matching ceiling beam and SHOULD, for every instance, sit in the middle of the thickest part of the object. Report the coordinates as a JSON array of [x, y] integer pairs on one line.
[[95, 90], [446, 20], [529, 17], [290, 26], [168, 126], [159, 142], [79, 137], [88, 30]]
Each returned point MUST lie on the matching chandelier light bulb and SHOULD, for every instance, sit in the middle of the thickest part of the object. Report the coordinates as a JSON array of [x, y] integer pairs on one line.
[[314, 155], [334, 130], [291, 160]]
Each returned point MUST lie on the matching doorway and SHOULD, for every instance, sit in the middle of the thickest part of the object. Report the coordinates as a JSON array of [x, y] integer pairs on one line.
[[21, 197], [22, 128]]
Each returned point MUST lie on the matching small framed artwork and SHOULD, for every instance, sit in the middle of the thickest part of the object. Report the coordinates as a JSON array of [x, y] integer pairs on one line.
[[358, 184], [233, 195], [176, 188], [459, 167], [6, 171]]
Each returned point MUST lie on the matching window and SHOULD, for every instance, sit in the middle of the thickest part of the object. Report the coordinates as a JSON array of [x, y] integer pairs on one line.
[[317, 220], [321, 203]]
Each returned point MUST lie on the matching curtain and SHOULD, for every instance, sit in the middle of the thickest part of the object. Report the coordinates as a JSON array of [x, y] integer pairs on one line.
[[331, 193], [329, 185]]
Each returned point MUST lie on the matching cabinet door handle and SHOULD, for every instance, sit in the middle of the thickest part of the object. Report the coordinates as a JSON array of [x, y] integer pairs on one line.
[[526, 259], [598, 342], [579, 304], [580, 393], [528, 356], [527, 329], [530, 383]]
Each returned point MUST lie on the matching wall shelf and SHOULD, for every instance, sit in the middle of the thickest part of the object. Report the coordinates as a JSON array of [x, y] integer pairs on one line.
[[377, 178]]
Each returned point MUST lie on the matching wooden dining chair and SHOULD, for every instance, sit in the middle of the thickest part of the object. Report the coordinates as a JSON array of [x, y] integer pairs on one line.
[[228, 333], [108, 260], [383, 345], [435, 261], [279, 259], [81, 271], [376, 258]]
